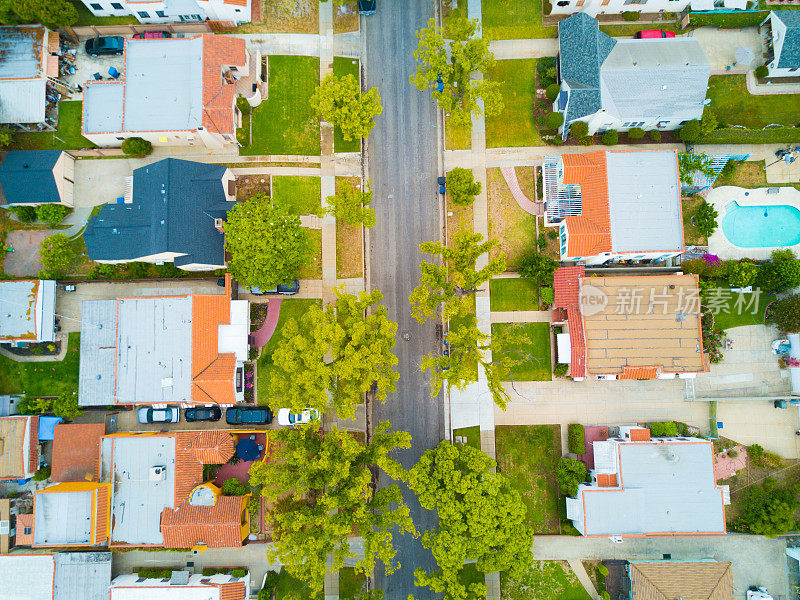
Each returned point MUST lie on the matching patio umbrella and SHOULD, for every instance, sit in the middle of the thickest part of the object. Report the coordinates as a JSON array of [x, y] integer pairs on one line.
[[744, 56], [247, 450]]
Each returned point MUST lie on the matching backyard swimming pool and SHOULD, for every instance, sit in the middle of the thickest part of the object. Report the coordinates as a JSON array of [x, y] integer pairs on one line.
[[762, 226]]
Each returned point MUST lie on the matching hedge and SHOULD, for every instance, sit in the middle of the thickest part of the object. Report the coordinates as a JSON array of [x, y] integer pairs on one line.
[[734, 135], [728, 20], [154, 572], [576, 438], [664, 429]]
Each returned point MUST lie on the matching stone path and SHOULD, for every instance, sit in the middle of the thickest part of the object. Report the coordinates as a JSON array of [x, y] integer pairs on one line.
[[530, 207], [727, 466], [259, 339]]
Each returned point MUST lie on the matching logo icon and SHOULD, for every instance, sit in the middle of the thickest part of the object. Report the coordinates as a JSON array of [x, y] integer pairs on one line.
[[593, 300]]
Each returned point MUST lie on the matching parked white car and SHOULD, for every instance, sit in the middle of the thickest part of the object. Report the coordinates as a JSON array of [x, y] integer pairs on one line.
[[170, 414], [287, 418]]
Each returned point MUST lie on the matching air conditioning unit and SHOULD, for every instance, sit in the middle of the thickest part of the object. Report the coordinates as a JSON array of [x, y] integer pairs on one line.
[[158, 473]]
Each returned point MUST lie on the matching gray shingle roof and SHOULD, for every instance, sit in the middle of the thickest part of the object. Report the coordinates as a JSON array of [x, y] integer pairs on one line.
[[790, 52], [27, 176], [582, 49], [174, 206]]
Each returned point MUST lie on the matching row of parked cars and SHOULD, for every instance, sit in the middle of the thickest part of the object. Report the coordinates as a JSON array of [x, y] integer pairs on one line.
[[235, 415]]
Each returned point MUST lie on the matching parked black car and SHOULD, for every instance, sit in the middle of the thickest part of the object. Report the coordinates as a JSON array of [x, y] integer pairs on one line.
[[285, 289], [203, 413], [259, 415], [366, 7], [110, 44]]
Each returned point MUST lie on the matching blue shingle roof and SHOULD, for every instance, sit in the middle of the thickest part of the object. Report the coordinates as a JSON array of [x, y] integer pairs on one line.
[[790, 52], [582, 49], [174, 206], [26, 176]]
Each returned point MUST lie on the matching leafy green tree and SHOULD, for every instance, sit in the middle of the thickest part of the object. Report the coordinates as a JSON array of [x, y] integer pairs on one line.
[[785, 315], [24, 214], [579, 129], [42, 474], [569, 475], [56, 255], [768, 511], [333, 355], [690, 163], [663, 429], [741, 273], [452, 69], [234, 487], [65, 406], [462, 186], [268, 245], [339, 101], [50, 13], [538, 266], [352, 206], [456, 278], [705, 219], [321, 486], [554, 120], [781, 273], [481, 518], [690, 132], [52, 213], [137, 147]]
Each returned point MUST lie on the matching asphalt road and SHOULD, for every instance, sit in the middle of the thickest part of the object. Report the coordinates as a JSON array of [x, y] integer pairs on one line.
[[402, 166]]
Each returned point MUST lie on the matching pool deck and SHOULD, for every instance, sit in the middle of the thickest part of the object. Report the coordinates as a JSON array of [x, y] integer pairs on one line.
[[720, 198]]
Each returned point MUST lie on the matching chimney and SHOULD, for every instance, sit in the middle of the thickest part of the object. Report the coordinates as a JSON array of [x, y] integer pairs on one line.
[[218, 223]]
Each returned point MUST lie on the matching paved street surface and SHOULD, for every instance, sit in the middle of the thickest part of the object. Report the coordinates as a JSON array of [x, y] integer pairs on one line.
[[402, 166], [756, 560]]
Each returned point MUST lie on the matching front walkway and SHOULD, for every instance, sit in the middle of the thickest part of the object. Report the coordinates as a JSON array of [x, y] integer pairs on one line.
[[259, 339]]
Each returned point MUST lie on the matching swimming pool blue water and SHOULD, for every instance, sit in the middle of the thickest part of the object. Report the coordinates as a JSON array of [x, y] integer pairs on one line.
[[762, 226]]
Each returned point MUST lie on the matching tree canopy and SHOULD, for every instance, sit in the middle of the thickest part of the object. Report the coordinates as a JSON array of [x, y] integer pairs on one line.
[[321, 486], [339, 100], [333, 355], [451, 69], [781, 273], [351, 205], [268, 245], [481, 518], [462, 186], [785, 314], [50, 13], [56, 255]]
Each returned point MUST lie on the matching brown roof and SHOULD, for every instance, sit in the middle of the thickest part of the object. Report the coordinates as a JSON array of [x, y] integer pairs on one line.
[[218, 526], [231, 591], [102, 511], [640, 372], [76, 452], [589, 232], [605, 480], [212, 372], [12, 454], [685, 580], [21, 538], [34, 448], [566, 283], [640, 435], [193, 450], [219, 95]]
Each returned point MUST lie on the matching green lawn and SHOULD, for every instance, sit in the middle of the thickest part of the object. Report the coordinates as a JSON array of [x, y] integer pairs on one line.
[[284, 123], [290, 588], [513, 294], [514, 19], [457, 137], [534, 355], [350, 582], [313, 270], [451, 14], [728, 20], [42, 378], [515, 125], [85, 17], [773, 135], [528, 456], [741, 309], [345, 66], [290, 309], [630, 30], [473, 435], [546, 580], [302, 195], [68, 136], [734, 105]]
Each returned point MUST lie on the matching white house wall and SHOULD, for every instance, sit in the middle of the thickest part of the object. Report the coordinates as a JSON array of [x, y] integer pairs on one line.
[[615, 7], [201, 139], [216, 10]]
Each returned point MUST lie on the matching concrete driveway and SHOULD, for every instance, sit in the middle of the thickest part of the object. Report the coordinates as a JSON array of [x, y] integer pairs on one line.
[[25, 258], [720, 45]]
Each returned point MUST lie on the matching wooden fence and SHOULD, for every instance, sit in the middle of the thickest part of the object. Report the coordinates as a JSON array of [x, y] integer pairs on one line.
[[96, 30]]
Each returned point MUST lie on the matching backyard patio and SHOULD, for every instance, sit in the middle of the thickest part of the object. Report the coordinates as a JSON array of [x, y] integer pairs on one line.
[[251, 446]]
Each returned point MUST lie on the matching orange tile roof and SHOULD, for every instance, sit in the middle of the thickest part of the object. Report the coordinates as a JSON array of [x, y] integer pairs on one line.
[[212, 373], [640, 435], [219, 95], [234, 590], [192, 451], [605, 480], [34, 449], [567, 289], [21, 538], [639, 373], [76, 452], [235, 2], [589, 232], [218, 526], [102, 508]]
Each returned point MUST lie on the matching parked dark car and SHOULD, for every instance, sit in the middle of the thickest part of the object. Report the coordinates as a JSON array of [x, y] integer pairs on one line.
[[237, 415], [366, 7], [111, 44], [203, 413], [170, 414], [286, 289]]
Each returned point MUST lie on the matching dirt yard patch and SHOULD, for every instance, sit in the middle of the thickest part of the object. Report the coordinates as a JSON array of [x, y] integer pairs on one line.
[[458, 218], [512, 226], [24, 260], [286, 16], [248, 186], [345, 17], [349, 241]]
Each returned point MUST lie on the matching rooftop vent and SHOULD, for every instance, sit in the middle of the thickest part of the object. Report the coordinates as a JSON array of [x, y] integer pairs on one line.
[[179, 578], [158, 473]]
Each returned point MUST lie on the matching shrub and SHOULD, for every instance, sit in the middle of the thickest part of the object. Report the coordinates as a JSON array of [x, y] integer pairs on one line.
[[462, 186], [137, 147], [705, 219], [741, 273], [535, 265], [664, 429], [690, 132], [234, 487], [756, 454], [52, 213], [42, 474], [208, 571], [761, 71], [733, 453], [24, 214], [560, 370], [630, 15], [154, 572], [579, 129], [552, 233], [602, 569], [557, 141], [605, 595], [554, 120], [781, 273], [138, 270], [576, 438], [655, 135], [567, 528], [610, 137], [541, 243], [243, 105], [586, 141], [785, 314], [239, 572], [569, 475], [270, 583], [551, 91], [636, 133], [708, 124], [547, 295]]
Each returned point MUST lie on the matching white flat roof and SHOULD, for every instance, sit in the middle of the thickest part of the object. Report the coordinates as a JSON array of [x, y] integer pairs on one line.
[[102, 107], [63, 518], [27, 577], [27, 310]]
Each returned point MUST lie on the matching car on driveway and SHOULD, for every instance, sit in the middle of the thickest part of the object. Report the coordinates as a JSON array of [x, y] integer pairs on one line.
[[285, 289], [257, 415], [648, 34], [287, 418], [148, 414], [203, 413], [109, 44], [366, 7]]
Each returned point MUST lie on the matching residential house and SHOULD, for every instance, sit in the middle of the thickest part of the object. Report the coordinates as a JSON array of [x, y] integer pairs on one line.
[[61, 576], [629, 327], [704, 579], [615, 8], [644, 486], [175, 92], [76, 452], [780, 33], [613, 206], [28, 311], [28, 61], [625, 83], [173, 211], [34, 177], [177, 11], [181, 586], [175, 349], [19, 447], [9, 404]]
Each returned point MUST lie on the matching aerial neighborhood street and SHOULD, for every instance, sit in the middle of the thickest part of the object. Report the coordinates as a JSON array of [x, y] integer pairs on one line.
[[396, 299]]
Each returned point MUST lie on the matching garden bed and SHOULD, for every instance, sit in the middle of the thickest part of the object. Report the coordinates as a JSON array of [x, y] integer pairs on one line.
[[35, 349], [546, 580], [248, 186]]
